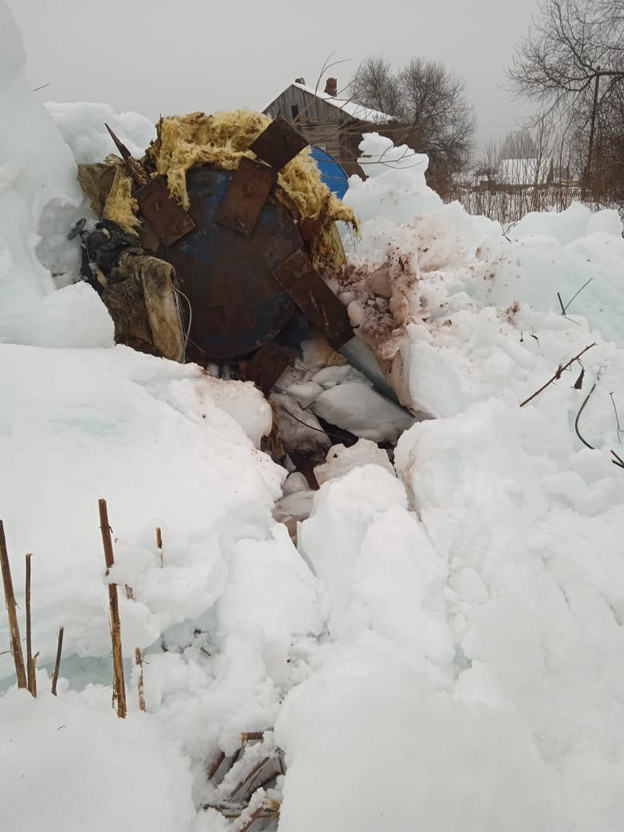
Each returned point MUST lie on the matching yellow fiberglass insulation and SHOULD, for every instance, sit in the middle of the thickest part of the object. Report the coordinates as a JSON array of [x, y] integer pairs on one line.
[[185, 142], [120, 206]]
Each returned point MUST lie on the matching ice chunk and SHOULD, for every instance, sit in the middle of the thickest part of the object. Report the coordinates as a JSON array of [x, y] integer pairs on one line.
[[358, 408], [341, 460]]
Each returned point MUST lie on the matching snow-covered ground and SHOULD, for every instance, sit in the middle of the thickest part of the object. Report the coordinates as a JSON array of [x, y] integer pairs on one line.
[[442, 651]]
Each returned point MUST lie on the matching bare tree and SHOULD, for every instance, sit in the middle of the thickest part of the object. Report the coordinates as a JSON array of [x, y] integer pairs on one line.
[[573, 62], [429, 103]]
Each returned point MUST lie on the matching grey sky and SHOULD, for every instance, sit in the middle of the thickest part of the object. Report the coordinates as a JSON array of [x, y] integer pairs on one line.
[[184, 55]]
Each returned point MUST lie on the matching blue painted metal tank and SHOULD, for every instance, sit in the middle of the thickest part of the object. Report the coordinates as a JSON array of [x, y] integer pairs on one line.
[[237, 305]]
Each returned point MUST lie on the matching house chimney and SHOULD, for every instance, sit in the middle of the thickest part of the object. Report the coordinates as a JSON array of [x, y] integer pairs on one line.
[[331, 87], [300, 81]]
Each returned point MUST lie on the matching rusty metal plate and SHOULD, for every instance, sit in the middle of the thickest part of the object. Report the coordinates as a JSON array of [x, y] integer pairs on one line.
[[316, 300], [249, 188], [167, 218], [267, 365], [237, 305], [278, 144]]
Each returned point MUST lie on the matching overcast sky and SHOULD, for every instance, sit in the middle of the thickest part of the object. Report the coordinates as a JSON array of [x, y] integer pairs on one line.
[[174, 57]]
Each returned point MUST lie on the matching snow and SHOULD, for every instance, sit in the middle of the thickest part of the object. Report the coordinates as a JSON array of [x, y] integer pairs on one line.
[[120, 774], [351, 108], [82, 126], [435, 644]]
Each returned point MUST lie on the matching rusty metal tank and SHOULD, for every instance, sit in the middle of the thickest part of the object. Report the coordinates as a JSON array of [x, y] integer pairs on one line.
[[236, 303]]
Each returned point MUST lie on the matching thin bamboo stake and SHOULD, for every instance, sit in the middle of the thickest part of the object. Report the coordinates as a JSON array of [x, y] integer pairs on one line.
[[119, 686], [57, 665], [159, 543], [138, 659], [30, 662], [11, 607]]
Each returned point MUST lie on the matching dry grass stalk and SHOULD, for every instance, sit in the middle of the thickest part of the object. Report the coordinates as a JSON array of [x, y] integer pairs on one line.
[[30, 662], [57, 664], [119, 686], [159, 543], [11, 606], [138, 659]]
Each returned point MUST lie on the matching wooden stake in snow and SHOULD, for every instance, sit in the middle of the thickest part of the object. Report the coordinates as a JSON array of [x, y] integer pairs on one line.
[[138, 659], [119, 686], [11, 606], [30, 662], [57, 665], [160, 545]]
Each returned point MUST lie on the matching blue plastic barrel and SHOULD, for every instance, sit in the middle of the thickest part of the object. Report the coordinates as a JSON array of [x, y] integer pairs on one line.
[[332, 173]]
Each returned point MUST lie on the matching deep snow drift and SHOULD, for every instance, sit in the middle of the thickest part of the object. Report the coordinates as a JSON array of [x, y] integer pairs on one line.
[[442, 651]]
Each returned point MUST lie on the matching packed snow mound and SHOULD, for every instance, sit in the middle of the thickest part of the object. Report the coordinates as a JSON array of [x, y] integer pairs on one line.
[[39, 195], [76, 766], [81, 125], [167, 445], [522, 517], [387, 191]]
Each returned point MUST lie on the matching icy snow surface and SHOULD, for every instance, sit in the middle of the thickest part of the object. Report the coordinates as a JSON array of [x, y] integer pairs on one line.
[[444, 651]]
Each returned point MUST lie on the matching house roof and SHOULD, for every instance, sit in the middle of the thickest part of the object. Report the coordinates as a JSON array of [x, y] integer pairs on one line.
[[351, 108]]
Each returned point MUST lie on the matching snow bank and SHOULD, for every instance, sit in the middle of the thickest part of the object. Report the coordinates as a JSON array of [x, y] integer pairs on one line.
[[70, 765], [495, 592], [82, 126], [39, 195], [157, 440]]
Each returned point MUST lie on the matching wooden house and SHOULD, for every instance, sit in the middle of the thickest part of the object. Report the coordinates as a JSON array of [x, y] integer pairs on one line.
[[332, 123]]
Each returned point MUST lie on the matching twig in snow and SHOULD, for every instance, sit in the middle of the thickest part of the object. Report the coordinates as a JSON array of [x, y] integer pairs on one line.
[[11, 607], [30, 662], [119, 686], [57, 664], [565, 308], [578, 416], [138, 659], [617, 420], [618, 460], [557, 375]]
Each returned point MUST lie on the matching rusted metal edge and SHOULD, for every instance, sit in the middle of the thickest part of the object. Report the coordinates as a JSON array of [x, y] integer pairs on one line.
[[167, 218], [264, 369], [312, 295], [278, 143], [249, 189]]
